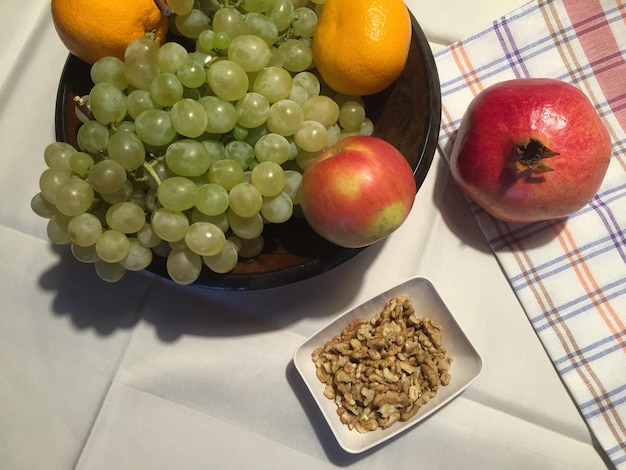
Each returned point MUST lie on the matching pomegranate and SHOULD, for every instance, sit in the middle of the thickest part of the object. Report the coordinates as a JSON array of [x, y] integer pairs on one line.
[[530, 149]]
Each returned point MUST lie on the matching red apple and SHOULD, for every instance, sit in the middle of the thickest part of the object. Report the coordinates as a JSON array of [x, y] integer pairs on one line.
[[531, 149], [357, 191]]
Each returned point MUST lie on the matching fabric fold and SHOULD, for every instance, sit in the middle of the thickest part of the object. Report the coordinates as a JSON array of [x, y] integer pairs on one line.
[[569, 275]]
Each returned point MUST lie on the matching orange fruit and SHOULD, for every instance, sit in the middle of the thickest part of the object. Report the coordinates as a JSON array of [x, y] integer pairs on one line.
[[92, 29], [361, 46]]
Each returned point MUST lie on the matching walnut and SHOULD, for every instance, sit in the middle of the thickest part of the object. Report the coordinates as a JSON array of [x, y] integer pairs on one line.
[[383, 370]]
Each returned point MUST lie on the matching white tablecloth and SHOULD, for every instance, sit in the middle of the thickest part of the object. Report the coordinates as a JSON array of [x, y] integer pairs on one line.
[[147, 374]]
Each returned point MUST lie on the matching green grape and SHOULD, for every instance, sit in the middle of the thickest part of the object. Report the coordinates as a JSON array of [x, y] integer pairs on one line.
[[74, 197], [282, 14], [85, 254], [229, 21], [192, 24], [154, 127], [268, 177], [212, 199], [312, 136], [127, 149], [84, 229], [200, 58], [181, 7], [112, 246], [223, 262], [204, 43], [191, 74], [92, 137], [351, 115], [249, 51], [51, 180], [141, 70], [42, 207], [227, 173], [304, 158], [183, 266], [274, 83], [205, 238], [79, 109], [277, 209], [169, 225], [138, 101], [272, 148], [125, 193], [258, 6], [189, 118], [276, 60], [245, 227], [147, 237], [138, 196], [166, 89], [321, 109], [240, 151], [56, 229], [304, 22], [109, 69], [252, 137], [177, 193], [187, 157], [293, 179], [334, 134], [58, 154], [248, 248], [171, 56], [123, 126], [143, 48], [309, 82], [163, 249], [366, 127], [221, 40], [298, 93], [109, 272], [297, 55], [139, 257], [228, 79], [125, 217], [222, 115], [262, 26], [107, 176], [215, 148], [240, 132], [245, 199], [252, 110], [221, 220], [285, 117]]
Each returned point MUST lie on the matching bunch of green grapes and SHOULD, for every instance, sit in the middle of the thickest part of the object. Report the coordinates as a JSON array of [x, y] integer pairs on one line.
[[189, 154]]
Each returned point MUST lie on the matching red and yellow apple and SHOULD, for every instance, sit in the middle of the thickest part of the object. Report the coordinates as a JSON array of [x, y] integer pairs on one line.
[[357, 191]]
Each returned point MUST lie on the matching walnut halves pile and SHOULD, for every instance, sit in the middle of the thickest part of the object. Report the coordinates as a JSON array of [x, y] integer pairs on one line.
[[383, 370]]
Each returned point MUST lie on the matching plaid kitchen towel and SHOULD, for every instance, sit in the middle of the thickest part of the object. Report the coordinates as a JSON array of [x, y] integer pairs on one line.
[[569, 275]]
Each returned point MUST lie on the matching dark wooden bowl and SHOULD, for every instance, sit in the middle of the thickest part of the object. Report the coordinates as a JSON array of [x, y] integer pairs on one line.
[[407, 115]]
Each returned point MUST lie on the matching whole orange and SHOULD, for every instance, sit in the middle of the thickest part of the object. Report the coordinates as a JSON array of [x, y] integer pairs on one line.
[[92, 29], [360, 47]]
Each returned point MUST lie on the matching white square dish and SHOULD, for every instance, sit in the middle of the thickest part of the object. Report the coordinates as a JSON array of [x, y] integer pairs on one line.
[[465, 369]]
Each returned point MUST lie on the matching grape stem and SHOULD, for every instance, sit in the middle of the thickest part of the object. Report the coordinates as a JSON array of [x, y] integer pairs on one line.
[[163, 7], [149, 167], [83, 107]]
